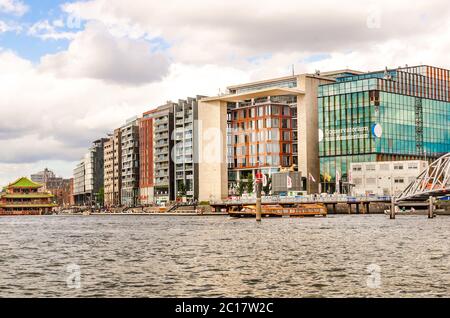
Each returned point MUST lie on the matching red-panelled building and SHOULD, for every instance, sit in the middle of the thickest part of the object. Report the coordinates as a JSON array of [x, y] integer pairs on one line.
[[146, 163]]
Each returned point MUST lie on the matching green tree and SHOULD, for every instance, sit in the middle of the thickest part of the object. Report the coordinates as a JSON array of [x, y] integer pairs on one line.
[[240, 188], [181, 189], [268, 187], [101, 196], [250, 184]]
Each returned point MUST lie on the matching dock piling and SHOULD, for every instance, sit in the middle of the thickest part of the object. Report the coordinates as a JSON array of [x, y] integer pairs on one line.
[[393, 208], [431, 208]]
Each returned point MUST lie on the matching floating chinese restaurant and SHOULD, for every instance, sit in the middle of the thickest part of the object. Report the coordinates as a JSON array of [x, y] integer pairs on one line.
[[23, 197]]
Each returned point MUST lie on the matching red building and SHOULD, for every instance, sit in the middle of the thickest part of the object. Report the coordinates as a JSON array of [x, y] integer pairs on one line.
[[146, 165]]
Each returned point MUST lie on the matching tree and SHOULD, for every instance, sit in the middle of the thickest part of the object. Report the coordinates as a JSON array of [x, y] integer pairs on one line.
[[268, 187], [250, 184], [181, 189], [101, 196], [240, 188]]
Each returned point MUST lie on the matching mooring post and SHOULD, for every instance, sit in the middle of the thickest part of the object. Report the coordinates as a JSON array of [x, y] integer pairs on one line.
[[431, 208], [259, 181], [393, 204]]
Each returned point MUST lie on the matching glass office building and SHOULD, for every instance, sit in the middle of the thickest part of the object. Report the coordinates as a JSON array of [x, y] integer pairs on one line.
[[391, 115]]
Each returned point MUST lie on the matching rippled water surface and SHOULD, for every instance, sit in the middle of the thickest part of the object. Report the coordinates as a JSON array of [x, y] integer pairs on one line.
[[135, 256]]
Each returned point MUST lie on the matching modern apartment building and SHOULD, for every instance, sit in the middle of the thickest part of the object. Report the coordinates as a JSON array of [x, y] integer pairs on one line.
[[163, 142], [130, 162], [79, 184], [262, 125], [391, 115], [384, 178], [262, 133], [186, 145], [113, 169], [89, 176]]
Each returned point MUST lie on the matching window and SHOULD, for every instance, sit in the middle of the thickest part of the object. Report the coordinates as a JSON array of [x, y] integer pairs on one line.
[[357, 168], [398, 167], [370, 168], [399, 180]]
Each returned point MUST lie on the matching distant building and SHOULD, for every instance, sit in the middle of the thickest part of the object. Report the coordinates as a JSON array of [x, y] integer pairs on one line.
[[57, 186], [23, 197], [130, 163], [89, 176], [43, 176], [384, 178], [113, 169]]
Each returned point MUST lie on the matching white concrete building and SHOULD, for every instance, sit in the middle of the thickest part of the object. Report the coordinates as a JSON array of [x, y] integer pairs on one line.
[[384, 178]]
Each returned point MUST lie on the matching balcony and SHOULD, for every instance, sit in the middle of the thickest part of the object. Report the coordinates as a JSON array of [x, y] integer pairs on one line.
[[161, 128], [162, 159]]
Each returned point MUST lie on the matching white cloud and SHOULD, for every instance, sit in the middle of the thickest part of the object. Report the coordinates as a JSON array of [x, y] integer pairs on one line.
[[225, 32], [9, 27], [46, 30], [15, 7], [97, 54]]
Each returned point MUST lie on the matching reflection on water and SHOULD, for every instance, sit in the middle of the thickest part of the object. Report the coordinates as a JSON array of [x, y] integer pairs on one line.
[[136, 256]]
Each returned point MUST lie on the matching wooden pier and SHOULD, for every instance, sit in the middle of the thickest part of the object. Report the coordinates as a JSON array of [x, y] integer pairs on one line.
[[277, 211]]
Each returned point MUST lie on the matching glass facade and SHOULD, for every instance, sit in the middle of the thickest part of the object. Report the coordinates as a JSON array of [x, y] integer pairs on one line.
[[397, 114]]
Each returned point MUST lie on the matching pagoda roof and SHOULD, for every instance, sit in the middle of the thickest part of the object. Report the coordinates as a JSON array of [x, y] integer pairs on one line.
[[43, 195], [24, 183]]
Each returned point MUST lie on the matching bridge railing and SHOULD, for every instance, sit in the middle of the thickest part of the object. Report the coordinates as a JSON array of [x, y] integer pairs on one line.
[[304, 199]]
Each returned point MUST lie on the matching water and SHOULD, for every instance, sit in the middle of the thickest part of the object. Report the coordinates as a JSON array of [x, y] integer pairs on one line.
[[135, 256]]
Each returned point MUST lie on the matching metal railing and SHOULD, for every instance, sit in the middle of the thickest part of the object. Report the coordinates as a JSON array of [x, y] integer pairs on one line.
[[305, 199]]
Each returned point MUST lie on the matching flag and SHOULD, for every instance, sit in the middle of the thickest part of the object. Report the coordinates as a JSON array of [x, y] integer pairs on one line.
[[312, 178], [264, 180], [289, 182]]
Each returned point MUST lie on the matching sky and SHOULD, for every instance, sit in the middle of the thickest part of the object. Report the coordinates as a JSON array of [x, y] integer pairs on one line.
[[72, 71]]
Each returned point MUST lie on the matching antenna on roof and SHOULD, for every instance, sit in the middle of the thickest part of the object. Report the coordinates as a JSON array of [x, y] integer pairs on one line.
[[387, 75], [293, 70]]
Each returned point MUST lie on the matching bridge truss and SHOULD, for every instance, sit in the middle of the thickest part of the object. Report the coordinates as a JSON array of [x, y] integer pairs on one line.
[[434, 182]]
